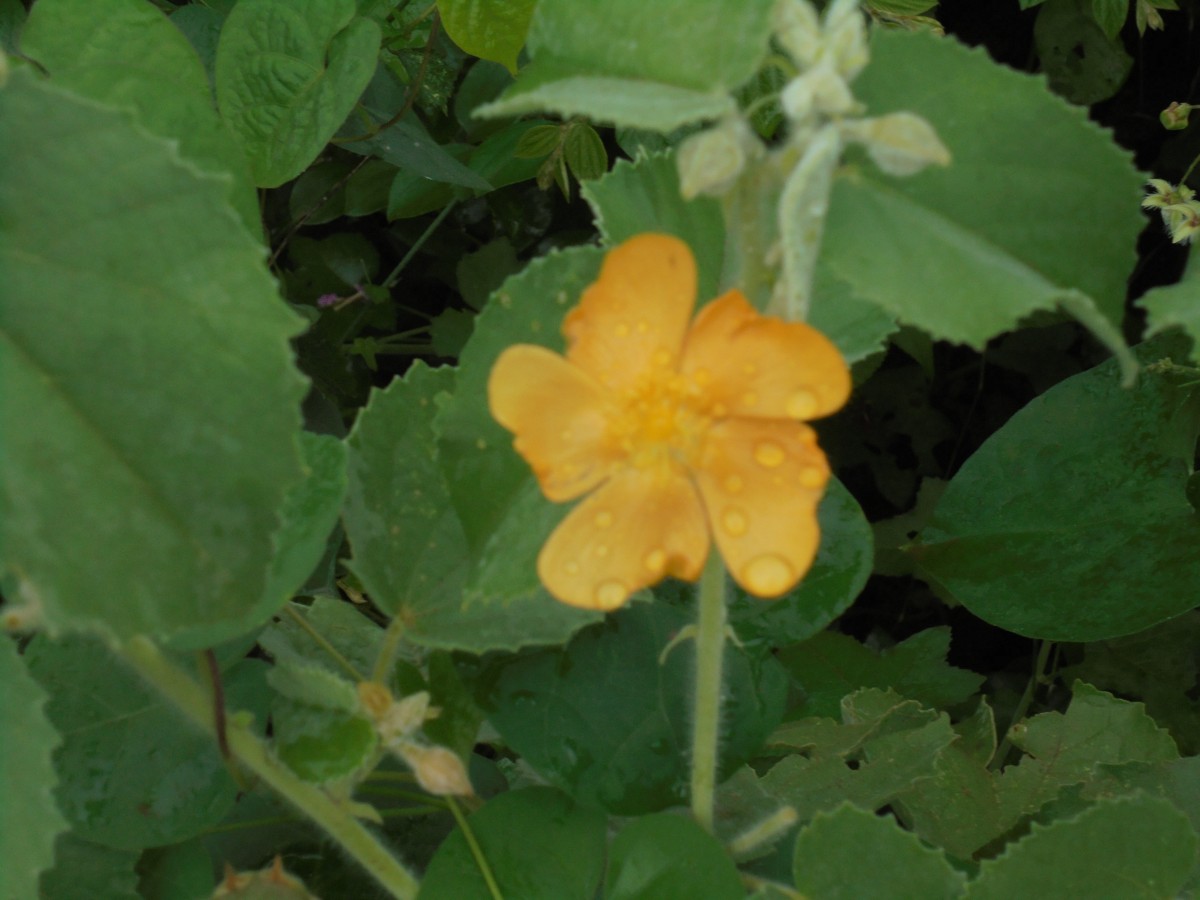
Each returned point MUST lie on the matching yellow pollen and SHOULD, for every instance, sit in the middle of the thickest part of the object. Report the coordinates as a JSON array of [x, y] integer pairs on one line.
[[769, 454], [768, 574], [801, 405], [702, 377], [811, 477], [662, 357], [656, 560], [733, 521], [602, 519], [610, 594]]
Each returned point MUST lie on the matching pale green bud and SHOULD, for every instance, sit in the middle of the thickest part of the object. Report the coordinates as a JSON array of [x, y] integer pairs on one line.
[[845, 40], [900, 143], [798, 30], [819, 90], [710, 161], [1175, 116]]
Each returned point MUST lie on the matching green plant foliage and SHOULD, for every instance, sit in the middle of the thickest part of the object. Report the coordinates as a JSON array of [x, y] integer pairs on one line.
[[1043, 494], [29, 818], [856, 326], [175, 872], [420, 565], [1051, 234], [168, 89], [668, 857], [489, 29], [606, 720], [537, 843], [112, 789], [89, 871], [344, 628], [830, 853], [838, 574], [829, 666], [287, 74], [1139, 847], [1077, 44], [597, 61], [128, 402], [1176, 304]]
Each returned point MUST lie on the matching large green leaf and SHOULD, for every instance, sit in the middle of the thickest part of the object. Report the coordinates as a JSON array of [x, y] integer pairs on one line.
[[150, 404], [288, 73], [127, 53], [653, 66], [604, 719], [133, 771], [489, 29], [29, 818], [537, 842], [1010, 226], [669, 857], [87, 871], [410, 547], [1071, 522]]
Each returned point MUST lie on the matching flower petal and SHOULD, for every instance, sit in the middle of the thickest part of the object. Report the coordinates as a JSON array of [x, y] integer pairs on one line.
[[762, 482], [762, 367], [558, 416], [634, 531], [632, 319]]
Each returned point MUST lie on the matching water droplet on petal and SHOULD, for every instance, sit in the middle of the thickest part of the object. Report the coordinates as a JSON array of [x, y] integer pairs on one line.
[[769, 454], [642, 327], [621, 330], [601, 550], [733, 522], [656, 560], [749, 398], [602, 519], [767, 574], [812, 477], [611, 594], [801, 405], [571, 568], [733, 484]]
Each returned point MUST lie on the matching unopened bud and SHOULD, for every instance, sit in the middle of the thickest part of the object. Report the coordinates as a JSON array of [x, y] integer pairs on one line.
[[900, 143], [438, 769], [710, 161], [798, 30], [272, 882], [1175, 116]]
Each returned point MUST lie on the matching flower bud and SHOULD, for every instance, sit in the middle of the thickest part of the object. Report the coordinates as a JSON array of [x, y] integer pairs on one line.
[[846, 38], [1175, 116], [900, 143], [271, 882], [710, 161], [438, 769], [798, 30]]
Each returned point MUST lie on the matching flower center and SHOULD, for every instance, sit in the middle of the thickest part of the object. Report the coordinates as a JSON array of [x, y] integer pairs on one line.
[[662, 421]]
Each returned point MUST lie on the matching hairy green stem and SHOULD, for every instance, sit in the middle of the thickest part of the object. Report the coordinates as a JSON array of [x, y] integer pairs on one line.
[[182, 690], [710, 657]]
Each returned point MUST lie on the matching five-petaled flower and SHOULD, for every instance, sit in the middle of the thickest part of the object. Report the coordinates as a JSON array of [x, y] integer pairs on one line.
[[679, 435]]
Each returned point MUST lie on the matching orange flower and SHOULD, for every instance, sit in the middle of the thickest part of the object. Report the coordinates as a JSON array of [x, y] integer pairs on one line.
[[676, 433]]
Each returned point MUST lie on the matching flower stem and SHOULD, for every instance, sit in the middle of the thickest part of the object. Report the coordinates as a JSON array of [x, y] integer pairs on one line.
[[710, 657], [182, 690]]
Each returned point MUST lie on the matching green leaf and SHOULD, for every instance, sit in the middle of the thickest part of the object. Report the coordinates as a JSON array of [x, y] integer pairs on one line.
[[87, 45], [484, 270], [320, 744], [605, 720], [13, 16], [1176, 304], [1007, 228], [1135, 848], [1083, 63], [830, 665], [133, 772], [1110, 15], [176, 872], [1082, 493], [537, 842], [29, 818], [288, 73], [410, 549], [135, 400], [644, 196], [843, 565], [830, 851], [489, 29], [669, 857], [596, 60], [585, 153], [342, 625], [87, 871], [856, 326]]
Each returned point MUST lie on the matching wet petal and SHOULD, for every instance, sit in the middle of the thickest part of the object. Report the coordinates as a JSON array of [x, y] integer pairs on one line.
[[762, 482], [632, 319], [761, 366], [634, 531], [558, 416]]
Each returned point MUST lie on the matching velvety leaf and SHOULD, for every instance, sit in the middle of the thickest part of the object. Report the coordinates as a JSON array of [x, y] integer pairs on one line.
[[831, 665], [669, 857], [288, 73], [603, 719], [843, 564], [644, 196], [87, 46], [345, 627], [134, 772], [830, 852], [1134, 848], [136, 400], [319, 744], [87, 871], [1008, 227], [596, 61], [1071, 522], [537, 842], [410, 550], [856, 326], [489, 29], [29, 817]]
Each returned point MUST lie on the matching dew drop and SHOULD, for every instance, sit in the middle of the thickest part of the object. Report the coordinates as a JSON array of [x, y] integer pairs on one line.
[[571, 568], [601, 550], [769, 454], [733, 522], [602, 519], [622, 330], [733, 484], [656, 560], [811, 477], [767, 574], [801, 405], [481, 443], [610, 594]]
